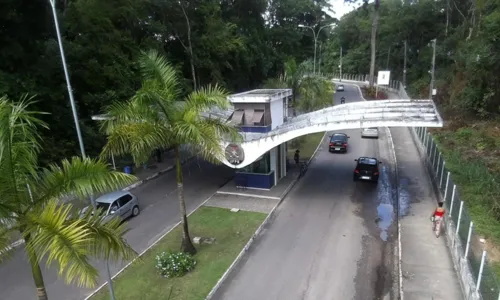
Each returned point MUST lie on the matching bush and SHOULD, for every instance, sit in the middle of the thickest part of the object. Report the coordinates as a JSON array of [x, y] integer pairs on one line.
[[174, 264]]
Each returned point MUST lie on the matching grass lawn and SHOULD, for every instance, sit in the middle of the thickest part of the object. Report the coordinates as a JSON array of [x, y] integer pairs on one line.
[[473, 158], [307, 144], [232, 231]]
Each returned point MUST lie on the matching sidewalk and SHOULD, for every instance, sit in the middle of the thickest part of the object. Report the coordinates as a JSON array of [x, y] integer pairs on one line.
[[427, 268], [230, 196]]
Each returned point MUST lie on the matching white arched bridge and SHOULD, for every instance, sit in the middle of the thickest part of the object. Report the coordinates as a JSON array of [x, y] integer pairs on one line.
[[381, 113]]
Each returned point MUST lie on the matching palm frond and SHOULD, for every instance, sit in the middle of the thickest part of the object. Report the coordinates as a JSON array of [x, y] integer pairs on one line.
[[70, 242], [158, 73], [79, 177], [206, 98], [19, 148], [137, 139], [5, 241]]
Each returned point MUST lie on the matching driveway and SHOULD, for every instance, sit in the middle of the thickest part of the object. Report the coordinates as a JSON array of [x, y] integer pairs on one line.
[[160, 212], [331, 238]]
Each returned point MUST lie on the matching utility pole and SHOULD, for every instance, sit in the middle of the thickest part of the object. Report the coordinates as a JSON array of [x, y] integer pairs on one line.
[[404, 69], [431, 87], [340, 65]]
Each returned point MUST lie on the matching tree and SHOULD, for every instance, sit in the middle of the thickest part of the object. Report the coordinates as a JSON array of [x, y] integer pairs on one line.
[[310, 91], [155, 118], [373, 41], [30, 202]]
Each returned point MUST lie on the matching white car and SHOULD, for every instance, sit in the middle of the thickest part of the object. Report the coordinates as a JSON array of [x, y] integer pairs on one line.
[[340, 88], [371, 132], [120, 204]]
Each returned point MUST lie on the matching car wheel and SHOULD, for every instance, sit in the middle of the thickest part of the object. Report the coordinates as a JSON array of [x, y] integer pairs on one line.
[[354, 178], [135, 211]]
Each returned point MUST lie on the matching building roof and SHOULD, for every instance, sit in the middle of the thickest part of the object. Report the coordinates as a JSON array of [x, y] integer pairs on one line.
[[260, 96]]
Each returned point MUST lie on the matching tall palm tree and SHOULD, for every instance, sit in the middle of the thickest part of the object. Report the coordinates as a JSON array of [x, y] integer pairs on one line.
[[30, 205], [156, 118]]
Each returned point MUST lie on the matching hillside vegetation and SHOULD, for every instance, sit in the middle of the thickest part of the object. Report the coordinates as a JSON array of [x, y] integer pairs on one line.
[[467, 37]]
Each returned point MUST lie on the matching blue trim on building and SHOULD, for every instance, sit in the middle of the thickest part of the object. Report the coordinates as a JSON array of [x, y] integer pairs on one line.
[[257, 129], [255, 180]]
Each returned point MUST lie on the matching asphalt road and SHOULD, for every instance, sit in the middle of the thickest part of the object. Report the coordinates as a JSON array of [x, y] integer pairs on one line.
[[331, 238], [160, 211]]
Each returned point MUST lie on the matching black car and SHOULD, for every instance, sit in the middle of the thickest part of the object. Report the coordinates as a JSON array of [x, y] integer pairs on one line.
[[366, 169], [338, 142]]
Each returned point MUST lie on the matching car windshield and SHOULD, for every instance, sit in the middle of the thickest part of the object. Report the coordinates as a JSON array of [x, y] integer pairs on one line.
[[338, 137], [103, 206], [367, 161]]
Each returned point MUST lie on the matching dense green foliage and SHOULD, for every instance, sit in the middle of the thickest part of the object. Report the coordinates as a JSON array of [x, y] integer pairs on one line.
[[310, 91], [238, 44], [467, 52]]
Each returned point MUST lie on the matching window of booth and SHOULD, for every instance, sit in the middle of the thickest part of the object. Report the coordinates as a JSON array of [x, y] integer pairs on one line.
[[261, 166]]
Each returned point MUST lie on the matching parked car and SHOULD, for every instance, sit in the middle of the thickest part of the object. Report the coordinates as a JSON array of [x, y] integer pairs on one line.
[[366, 169], [122, 204], [371, 132], [340, 88], [338, 142]]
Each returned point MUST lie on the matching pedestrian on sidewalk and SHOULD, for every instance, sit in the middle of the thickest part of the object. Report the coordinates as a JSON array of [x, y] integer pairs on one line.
[[296, 157], [437, 217]]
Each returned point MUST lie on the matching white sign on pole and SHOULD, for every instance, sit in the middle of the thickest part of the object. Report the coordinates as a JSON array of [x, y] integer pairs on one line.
[[434, 92], [383, 77]]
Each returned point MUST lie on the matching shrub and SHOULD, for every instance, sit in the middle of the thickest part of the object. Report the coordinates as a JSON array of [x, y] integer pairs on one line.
[[174, 264]]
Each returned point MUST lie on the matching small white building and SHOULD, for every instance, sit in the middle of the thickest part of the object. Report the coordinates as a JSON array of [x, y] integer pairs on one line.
[[260, 111]]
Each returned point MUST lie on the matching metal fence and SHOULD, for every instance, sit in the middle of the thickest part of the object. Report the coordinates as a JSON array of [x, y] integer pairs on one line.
[[476, 274]]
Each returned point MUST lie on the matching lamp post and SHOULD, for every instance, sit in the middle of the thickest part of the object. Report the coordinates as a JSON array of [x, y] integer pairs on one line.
[[315, 36], [68, 82], [431, 86]]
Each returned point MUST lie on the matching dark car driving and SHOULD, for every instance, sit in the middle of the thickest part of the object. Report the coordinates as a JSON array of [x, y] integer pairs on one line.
[[338, 142], [366, 169]]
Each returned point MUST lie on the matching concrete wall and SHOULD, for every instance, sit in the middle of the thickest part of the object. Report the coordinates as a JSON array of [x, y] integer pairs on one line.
[[277, 113]]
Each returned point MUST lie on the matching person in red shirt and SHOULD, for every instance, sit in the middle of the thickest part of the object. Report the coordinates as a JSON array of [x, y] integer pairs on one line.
[[437, 217]]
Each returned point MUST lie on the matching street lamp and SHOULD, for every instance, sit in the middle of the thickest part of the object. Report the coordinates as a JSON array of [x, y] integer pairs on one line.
[[68, 83], [315, 35], [75, 117]]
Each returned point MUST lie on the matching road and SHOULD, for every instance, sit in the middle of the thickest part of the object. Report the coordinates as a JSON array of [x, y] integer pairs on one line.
[[331, 238], [160, 211]]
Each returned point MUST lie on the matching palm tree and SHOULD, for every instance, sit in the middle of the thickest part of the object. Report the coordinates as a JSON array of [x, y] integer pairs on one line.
[[30, 203], [154, 118]]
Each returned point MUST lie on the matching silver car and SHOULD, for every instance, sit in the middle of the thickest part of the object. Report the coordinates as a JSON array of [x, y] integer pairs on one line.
[[371, 132], [120, 203], [340, 88]]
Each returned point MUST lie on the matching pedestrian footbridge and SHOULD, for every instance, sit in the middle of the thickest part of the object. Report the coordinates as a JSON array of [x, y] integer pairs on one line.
[[363, 114]]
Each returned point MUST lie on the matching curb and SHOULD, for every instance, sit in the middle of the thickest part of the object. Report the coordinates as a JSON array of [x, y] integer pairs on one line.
[[150, 246], [399, 245], [266, 221], [128, 188]]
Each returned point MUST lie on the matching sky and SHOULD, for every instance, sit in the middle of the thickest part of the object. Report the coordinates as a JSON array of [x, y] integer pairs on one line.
[[340, 8]]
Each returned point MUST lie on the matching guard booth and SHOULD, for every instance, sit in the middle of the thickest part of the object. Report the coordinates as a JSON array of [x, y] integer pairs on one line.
[[260, 111]]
